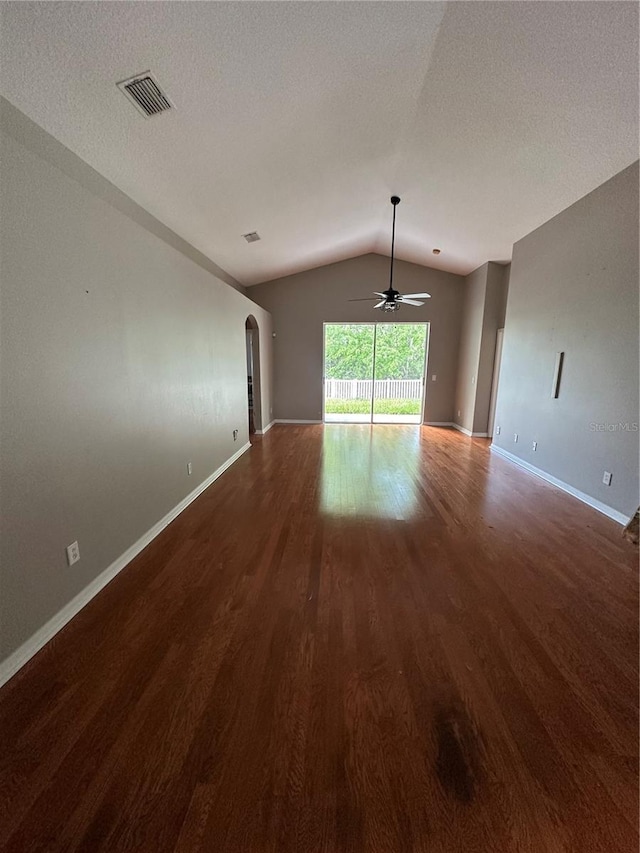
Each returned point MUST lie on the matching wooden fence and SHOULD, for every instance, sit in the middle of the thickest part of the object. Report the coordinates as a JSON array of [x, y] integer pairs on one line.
[[385, 389]]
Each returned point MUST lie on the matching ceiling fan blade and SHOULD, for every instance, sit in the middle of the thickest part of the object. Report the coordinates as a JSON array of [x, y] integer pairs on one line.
[[380, 304], [405, 301], [417, 295], [383, 295], [366, 299]]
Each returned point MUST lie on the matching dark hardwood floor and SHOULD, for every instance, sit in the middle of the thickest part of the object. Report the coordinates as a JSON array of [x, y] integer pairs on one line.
[[358, 639]]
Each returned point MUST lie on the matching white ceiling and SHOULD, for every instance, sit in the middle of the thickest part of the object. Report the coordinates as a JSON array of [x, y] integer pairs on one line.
[[300, 119]]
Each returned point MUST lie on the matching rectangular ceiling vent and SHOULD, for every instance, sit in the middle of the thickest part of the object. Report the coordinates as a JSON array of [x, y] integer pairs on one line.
[[145, 94], [251, 237]]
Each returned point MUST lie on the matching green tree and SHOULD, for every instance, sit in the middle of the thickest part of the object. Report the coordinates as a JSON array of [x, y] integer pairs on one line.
[[349, 351], [400, 349]]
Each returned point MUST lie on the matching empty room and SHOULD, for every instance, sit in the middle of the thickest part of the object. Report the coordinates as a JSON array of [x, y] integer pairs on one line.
[[319, 433]]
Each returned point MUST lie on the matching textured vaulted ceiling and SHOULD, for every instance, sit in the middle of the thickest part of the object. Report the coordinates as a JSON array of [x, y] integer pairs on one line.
[[300, 119]]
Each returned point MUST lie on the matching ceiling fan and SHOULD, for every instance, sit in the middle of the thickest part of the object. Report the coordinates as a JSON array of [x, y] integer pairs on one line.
[[390, 299]]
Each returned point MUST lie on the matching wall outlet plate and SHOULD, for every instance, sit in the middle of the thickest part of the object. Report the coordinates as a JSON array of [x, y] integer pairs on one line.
[[515, 437], [498, 430], [73, 553], [606, 478], [189, 468], [534, 444]]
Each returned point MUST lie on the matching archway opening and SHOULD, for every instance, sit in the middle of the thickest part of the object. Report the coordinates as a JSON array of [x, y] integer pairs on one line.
[[254, 397]]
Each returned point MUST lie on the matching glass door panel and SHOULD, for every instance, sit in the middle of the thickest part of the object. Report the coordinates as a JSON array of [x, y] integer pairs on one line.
[[400, 356], [348, 372]]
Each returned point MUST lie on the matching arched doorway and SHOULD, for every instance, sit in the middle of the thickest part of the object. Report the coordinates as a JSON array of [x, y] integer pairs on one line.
[[254, 397]]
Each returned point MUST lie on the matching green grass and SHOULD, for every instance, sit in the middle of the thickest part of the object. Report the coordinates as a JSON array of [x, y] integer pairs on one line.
[[380, 407]]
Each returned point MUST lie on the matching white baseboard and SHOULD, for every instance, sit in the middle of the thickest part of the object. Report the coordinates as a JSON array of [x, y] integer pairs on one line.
[[28, 649], [288, 421], [468, 431], [609, 511], [266, 429], [461, 429]]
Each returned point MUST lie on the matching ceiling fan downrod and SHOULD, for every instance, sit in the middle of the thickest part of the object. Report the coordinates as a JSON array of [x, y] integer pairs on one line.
[[392, 304], [390, 299]]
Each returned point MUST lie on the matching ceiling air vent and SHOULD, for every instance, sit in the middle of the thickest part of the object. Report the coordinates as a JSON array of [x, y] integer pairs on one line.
[[145, 94], [251, 237]]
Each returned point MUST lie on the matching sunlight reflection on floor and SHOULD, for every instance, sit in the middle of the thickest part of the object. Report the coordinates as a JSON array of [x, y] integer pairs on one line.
[[370, 471]]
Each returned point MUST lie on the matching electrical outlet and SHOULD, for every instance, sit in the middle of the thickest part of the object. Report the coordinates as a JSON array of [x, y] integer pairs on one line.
[[189, 468], [515, 437], [473, 380], [433, 377], [534, 444], [458, 412], [73, 553], [606, 478], [235, 434], [498, 430]]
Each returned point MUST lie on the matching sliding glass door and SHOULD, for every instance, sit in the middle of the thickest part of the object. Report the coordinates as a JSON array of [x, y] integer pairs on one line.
[[374, 372]]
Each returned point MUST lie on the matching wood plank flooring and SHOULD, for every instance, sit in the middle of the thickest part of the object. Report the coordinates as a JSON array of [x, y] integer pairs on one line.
[[377, 640]]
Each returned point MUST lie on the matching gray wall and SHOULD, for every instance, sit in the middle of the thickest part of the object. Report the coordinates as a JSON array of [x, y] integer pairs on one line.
[[475, 287], [495, 304], [122, 360], [483, 313], [574, 288], [300, 304]]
